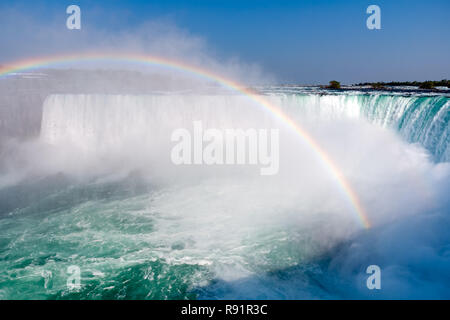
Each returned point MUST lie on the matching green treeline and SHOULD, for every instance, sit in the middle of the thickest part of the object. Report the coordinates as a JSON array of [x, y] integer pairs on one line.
[[422, 85]]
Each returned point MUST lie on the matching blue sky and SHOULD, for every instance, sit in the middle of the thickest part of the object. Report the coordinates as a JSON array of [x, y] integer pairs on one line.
[[297, 41]]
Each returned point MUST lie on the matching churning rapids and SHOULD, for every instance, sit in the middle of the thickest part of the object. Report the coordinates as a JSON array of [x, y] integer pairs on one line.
[[94, 187]]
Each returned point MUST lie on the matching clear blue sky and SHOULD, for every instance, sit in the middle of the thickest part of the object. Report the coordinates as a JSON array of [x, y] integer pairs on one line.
[[298, 41]]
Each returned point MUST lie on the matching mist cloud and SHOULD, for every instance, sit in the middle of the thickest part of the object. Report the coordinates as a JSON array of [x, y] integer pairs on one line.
[[41, 33]]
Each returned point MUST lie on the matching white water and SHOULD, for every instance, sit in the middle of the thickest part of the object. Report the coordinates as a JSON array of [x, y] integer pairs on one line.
[[121, 132], [108, 121], [241, 225], [103, 121], [420, 119]]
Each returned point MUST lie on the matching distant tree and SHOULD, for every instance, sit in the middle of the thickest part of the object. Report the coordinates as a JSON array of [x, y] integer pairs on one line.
[[377, 85], [427, 85], [442, 83], [334, 85]]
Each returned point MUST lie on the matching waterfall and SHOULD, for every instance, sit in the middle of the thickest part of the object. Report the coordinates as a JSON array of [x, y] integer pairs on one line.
[[108, 120], [418, 119]]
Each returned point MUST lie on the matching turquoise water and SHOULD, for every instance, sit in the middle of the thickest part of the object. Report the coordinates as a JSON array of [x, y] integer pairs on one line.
[[127, 249], [133, 237], [417, 118]]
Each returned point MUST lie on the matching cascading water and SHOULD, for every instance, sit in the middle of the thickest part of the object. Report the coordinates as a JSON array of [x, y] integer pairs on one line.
[[136, 233], [107, 120], [418, 119]]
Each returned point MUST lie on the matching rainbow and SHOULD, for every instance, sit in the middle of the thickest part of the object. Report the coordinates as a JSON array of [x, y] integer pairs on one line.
[[335, 172]]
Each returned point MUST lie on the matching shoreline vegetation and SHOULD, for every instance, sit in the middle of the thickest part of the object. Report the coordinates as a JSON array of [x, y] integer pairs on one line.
[[428, 85]]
